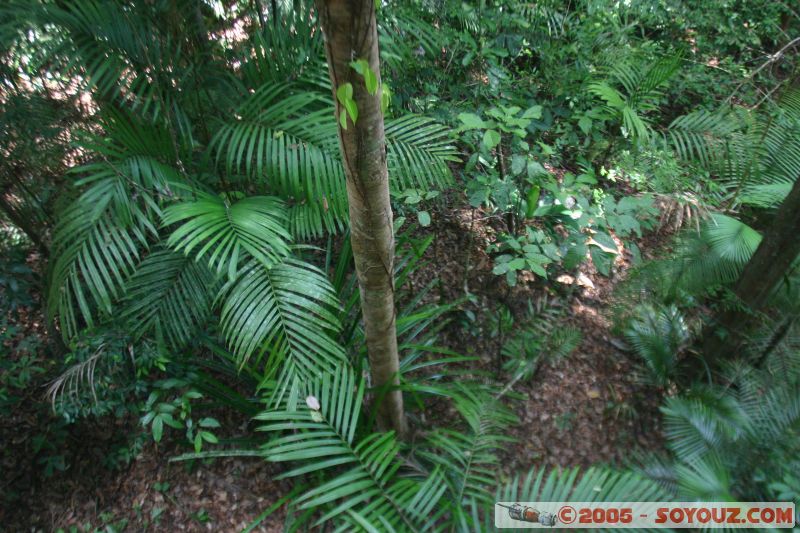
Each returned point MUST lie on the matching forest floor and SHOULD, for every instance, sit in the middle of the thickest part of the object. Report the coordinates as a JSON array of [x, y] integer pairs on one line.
[[586, 409]]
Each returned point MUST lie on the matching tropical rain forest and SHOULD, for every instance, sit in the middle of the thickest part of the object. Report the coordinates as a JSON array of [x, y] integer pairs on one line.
[[375, 265]]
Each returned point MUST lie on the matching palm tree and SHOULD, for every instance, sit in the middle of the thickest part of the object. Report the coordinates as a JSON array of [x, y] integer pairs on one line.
[[771, 263], [756, 158], [205, 169]]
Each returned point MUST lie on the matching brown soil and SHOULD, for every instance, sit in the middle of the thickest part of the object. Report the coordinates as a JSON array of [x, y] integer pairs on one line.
[[586, 409]]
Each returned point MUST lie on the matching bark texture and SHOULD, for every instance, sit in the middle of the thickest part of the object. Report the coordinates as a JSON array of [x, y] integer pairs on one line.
[[769, 265], [351, 34]]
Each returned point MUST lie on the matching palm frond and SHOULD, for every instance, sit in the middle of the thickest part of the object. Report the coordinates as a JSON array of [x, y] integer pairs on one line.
[[169, 296], [418, 152], [73, 378], [470, 458], [288, 313], [695, 426], [94, 255], [596, 484], [732, 242], [526, 351], [287, 139], [773, 410], [286, 48], [546, 21], [715, 257], [404, 37], [658, 334], [704, 479], [640, 83], [703, 135], [120, 54], [361, 488], [100, 235], [227, 231], [756, 157]]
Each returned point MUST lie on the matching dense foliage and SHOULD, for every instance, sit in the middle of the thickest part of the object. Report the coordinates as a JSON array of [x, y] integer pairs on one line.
[[173, 201]]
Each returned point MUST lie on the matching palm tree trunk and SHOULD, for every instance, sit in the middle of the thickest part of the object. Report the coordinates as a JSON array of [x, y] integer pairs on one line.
[[766, 269], [351, 34]]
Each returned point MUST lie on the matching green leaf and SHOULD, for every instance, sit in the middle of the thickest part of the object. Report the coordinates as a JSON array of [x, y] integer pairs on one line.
[[345, 96], [511, 278], [424, 218], [537, 268], [585, 124], [491, 138], [471, 121], [209, 437], [158, 428], [604, 242], [516, 264], [169, 420], [535, 169], [518, 163], [386, 96], [532, 201], [370, 78], [344, 92], [533, 113], [500, 268], [602, 261], [209, 423]]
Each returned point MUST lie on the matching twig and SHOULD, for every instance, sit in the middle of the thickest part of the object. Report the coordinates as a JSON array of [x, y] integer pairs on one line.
[[774, 58]]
